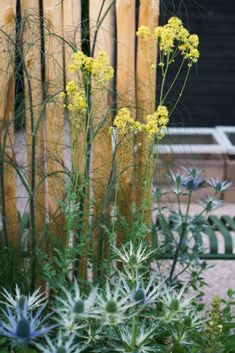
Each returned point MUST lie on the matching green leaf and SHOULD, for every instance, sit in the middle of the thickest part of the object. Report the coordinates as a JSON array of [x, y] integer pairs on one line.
[[3, 340], [230, 341], [229, 325], [230, 293], [178, 348], [25, 350]]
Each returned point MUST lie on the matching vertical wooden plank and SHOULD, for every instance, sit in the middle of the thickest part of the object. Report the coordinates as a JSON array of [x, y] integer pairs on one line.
[[7, 49], [72, 22], [146, 56], [126, 28], [102, 104], [34, 108], [145, 81], [53, 31]]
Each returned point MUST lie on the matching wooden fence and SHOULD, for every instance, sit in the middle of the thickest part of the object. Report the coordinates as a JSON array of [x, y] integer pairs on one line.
[[46, 28]]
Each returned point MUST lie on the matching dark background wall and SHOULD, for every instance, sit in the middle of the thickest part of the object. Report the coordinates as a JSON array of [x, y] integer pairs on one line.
[[209, 98]]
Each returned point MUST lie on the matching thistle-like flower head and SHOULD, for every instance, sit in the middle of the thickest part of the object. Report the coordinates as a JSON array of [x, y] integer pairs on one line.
[[21, 327], [33, 301], [218, 185], [113, 305], [131, 257], [176, 179], [174, 302], [210, 203], [74, 307], [193, 180], [143, 295]]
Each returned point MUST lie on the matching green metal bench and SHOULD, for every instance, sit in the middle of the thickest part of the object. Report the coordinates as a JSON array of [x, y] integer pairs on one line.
[[224, 225]]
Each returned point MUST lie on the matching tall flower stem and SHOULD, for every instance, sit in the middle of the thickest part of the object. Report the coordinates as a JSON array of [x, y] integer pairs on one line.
[[147, 182], [84, 194], [181, 92], [183, 232]]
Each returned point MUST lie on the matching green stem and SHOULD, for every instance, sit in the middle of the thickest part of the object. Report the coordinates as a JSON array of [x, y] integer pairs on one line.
[[179, 205], [134, 333], [173, 82], [99, 22], [147, 181], [181, 92], [182, 235], [85, 187], [164, 73]]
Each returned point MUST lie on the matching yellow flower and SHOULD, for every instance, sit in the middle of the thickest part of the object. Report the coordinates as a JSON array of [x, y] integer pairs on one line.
[[193, 40], [88, 63], [71, 87], [77, 102], [166, 37], [182, 34], [78, 61], [98, 68], [151, 127], [157, 122], [183, 48], [175, 22], [193, 55], [101, 70], [62, 95], [173, 35], [162, 110], [124, 121], [143, 33], [138, 126]]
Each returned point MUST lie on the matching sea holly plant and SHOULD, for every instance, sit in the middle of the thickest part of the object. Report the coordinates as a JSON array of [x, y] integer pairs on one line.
[[22, 320], [132, 312], [35, 300], [135, 311], [182, 229]]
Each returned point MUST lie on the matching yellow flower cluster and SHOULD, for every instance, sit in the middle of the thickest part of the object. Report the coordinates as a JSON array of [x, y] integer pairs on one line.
[[98, 68], [172, 35], [166, 36], [189, 48], [125, 123], [77, 101], [143, 33], [78, 59], [155, 125], [101, 70], [157, 122]]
